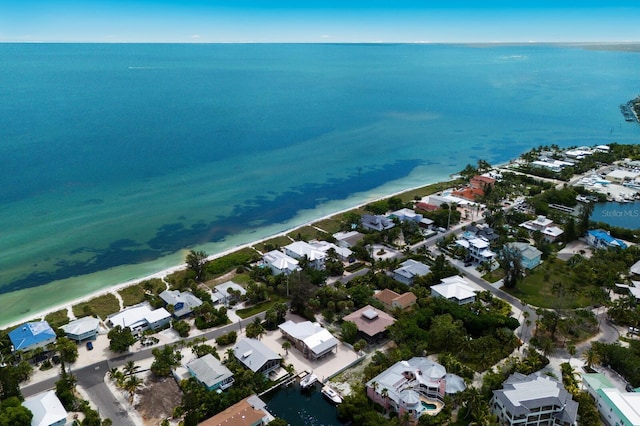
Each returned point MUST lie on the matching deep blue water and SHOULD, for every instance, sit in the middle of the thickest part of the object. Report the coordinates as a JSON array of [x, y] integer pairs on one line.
[[308, 408], [624, 215], [117, 157]]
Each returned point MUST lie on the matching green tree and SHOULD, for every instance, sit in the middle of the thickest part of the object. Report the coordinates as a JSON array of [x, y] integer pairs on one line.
[[67, 349], [196, 261], [349, 331], [165, 360], [131, 386], [510, 261], [120, 339], [286, 345], [13, 413], [255, 329]]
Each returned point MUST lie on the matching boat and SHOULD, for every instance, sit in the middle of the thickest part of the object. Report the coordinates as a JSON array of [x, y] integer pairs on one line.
[[331, 395], [308, 381]]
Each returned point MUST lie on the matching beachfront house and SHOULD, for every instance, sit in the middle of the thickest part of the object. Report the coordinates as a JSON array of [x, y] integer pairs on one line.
[[140, 318], [310, 338], [392, 300], [406, 215], [341, 253], [31, 335], [256, 356], [549, 231], [602, 239], [182, 302], [302, 250], [210, 372], [376, 222], [530, 256], [47, 409], [409, 270], [227, 293], [250, 411], [348, 239], [280, 263], [456, 289], [533, 400], [84, 328], [414, 387], [372, 323]]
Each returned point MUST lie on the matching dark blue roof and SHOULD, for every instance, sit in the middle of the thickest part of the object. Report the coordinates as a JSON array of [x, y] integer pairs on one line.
[[31, 334]]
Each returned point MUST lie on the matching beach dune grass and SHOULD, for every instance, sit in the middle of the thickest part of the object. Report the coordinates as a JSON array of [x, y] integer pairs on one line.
[[103, 306], [132, 295], [268, 245], [307, 233], [57, 318]]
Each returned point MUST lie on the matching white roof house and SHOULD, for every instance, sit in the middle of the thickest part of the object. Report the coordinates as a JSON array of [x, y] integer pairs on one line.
[[409, 270], [183, 302], [221, 292], [544, 225], [256, 356], [324, 246], [280, 263], [348, 239], [310, 338], [140, 317], [456, 288], [407, 215], [620, 408], [635, 268], [302, 249], [82, 328], [47, 409]]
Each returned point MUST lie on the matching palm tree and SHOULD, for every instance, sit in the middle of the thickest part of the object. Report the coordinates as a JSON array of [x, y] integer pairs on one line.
[[591, 357], [131, 385], [572, 351], [117, 376], [130, 368], [286, 345]]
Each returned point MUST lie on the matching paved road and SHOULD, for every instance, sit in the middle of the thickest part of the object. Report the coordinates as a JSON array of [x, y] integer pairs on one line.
[[91, 377]]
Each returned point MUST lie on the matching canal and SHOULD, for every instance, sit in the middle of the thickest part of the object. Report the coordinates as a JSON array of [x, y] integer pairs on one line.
[[302, 408]]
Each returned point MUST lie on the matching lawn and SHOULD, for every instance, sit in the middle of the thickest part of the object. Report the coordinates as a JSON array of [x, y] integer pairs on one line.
[[537, 288], [280, 241], [306, 233], [102, 306], [132, 295], [494, 276], [260, 307]]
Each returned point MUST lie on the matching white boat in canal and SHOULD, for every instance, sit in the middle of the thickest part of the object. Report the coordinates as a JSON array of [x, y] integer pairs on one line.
[[331, 395], [308, 381]]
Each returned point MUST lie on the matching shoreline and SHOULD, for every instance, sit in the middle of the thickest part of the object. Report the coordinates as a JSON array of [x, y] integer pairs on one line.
[[168, 271]]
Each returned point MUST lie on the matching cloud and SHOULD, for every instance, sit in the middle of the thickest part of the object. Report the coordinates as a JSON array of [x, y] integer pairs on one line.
[[195, 36], [325, 36]]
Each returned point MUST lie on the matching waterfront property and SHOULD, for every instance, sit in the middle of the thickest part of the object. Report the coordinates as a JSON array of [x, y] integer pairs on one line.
[[409, 270], [372, 324], [210, 372], [456, 289], [416, 387], [250, 411], [140, 318], [311, 339], [256, 356], [376, 222], [533, 400], [602, 239], [280, 263], [530, 256], [348, 239], [82, 329], [182, 302], [406, 215], [47, 409], [32, 335], [549, 231], [227, 293], [392, 300], [303, 250]]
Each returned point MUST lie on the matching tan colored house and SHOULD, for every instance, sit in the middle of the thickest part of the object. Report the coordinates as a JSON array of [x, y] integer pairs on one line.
[[392, 300], [248, 412], [371, 323]]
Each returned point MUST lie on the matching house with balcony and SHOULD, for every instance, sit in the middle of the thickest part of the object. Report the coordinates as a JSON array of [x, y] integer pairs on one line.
[[549, 231], [601, 239], [280, 263], [140, 318], [183, 302], [227, 293], [210, 372], [376, 222], [32, 335], [530, 257], [478, 249], [310, 338], [456, 289], [533, 400], [303, 250], [406, 215], [256, 356], [348, 239], [372, 323], [84, 328]]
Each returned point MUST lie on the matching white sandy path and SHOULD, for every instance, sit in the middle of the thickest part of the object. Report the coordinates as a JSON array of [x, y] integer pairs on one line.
[[163, 274]]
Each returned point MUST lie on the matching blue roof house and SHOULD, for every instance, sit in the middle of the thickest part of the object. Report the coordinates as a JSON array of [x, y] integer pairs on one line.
[[603, 240], [32, 335]]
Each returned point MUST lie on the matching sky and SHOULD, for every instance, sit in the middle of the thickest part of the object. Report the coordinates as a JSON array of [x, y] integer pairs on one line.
[[314, 21]]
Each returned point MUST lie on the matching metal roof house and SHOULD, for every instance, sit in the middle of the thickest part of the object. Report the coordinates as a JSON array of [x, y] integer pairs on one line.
[[310, 338], [371, 322], [530, 256], [209, 371], [280, 263], [529, 399], [250, 411], [82, 329], [32, 335], [256, 356], [409, 270], [301, 249], [47, 409], [183, 302], [456, 289], [140, 318], [601, 239], [221, 293]]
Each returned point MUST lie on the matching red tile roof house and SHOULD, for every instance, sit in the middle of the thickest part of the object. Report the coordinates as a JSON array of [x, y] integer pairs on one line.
[[371, 323], [392, 300]]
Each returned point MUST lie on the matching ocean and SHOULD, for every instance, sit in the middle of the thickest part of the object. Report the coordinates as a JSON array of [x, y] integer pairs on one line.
[[118, 158]]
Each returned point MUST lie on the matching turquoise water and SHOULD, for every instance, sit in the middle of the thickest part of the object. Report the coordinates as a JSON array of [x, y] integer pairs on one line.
[[624, 215], [308, 408], [428, 406], [117, 158]]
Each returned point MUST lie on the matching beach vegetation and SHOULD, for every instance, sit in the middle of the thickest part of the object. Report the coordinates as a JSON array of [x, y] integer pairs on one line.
[[307, 233], [255, 329], [196, 260], [153, 286], [132, 295], [120, 339], [57, 319], [273, 243], [182, 328], [273, 300], [207, 316], [231, 261], [102, 306], [227, 339]]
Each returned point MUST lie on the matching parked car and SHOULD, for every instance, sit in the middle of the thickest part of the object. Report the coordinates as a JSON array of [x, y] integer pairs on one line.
[[89, 346]]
